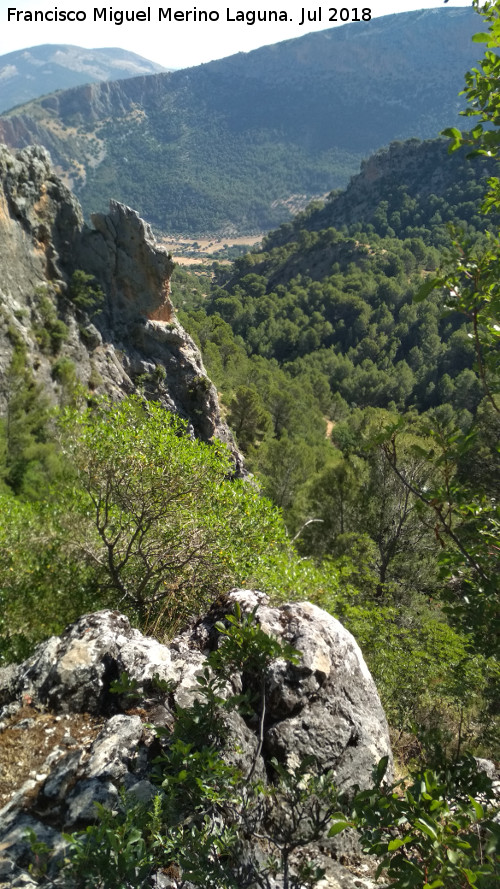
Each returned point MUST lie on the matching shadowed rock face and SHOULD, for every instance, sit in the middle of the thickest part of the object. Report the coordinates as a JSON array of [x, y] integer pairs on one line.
[[134, 337], [326, 706], [40, 221]]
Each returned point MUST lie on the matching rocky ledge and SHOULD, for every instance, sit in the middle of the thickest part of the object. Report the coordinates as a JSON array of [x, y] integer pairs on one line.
[[67, 741], [129, 341]]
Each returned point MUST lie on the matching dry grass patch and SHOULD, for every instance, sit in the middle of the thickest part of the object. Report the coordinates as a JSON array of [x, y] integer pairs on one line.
[[30, 736]]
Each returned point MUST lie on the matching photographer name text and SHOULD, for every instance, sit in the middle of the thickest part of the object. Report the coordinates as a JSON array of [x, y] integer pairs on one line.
[[111, 15]]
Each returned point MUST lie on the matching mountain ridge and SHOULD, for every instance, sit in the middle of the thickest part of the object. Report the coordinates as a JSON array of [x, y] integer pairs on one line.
[[38, 70], [222, 146]]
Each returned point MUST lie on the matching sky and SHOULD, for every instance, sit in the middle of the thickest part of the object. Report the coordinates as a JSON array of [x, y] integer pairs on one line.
[[182, 43]]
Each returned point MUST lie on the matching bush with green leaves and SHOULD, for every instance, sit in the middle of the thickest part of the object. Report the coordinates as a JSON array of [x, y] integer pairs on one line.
[[85, 293], [436, 829], [28, 458], [51, 331], [158, 517], [43, 586], [465, 518], [127, 510], [435, 691]]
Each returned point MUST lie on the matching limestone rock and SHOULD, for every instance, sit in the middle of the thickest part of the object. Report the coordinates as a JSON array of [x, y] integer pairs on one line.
[[45, 211], [133, 339], [115, 747], [73, 673], [122, 253], [325, 705]]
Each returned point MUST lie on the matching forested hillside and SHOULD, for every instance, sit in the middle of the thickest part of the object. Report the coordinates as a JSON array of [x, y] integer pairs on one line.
[[240, 143], [331, 295], [320, 346]]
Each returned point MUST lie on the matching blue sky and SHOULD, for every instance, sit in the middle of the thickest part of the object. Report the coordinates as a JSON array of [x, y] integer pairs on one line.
[[182, 43]]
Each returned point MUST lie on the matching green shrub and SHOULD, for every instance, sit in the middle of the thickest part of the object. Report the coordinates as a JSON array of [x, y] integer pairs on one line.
[[85, 293], [429, 831], [156, 514], [43, 587], [52, 332], [64, 371]]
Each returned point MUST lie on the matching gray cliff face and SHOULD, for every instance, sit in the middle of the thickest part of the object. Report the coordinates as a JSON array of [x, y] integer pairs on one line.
[[92, 744], [134, 340], [40, 219], [122, 253]]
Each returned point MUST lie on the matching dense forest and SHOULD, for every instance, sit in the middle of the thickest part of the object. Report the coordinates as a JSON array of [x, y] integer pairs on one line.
[[356, 354], [325, 356]]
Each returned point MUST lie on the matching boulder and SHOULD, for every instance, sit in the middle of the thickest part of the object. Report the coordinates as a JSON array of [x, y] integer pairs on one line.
[[325, 705], [73, 673]]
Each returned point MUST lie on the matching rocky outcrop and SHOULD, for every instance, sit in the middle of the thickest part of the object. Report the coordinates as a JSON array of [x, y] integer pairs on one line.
[[40, 219], [132, 339], [327, 705], [90, 742], [122, 254]]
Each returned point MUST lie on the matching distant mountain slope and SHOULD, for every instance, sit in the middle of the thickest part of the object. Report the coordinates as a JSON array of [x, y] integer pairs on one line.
[[408, 191], [223, 146], [405, 190], [330, 294], [28, 73]]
